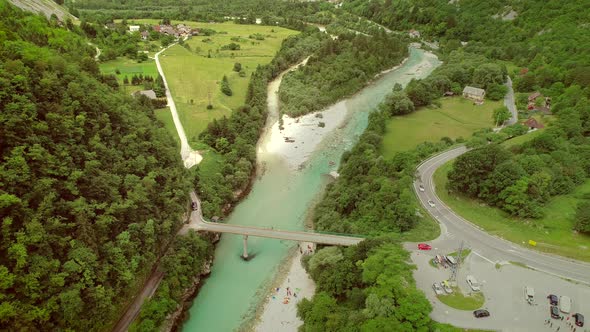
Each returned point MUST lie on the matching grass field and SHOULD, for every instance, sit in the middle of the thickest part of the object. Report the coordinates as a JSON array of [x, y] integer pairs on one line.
[[457, 117], [128, 67], [463, 302], [193, 76], [426, 230], [553, 233]]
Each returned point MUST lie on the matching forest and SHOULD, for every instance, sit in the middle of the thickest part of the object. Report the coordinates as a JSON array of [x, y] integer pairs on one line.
[[339, 68], [91, 187]]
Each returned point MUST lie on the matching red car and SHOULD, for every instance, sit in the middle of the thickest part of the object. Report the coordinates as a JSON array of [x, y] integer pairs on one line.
[[424, 246]]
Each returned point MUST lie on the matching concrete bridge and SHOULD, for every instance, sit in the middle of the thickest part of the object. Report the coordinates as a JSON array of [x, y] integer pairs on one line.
[[198, 223]]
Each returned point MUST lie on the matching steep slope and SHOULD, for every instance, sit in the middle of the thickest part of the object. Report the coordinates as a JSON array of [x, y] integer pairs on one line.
[[91, 188], [45, 7]]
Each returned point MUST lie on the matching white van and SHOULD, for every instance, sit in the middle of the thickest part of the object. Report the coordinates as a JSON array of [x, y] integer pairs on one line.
[[451, 260], [565, 304], [529, 294]]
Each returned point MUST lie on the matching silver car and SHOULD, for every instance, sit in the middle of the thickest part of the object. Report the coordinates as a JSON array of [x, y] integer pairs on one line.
[[431, 203], [437, 289]]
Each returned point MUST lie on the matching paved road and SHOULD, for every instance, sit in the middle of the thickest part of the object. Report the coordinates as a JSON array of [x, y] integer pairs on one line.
[[509, 102], [490, 248], [132, 311], [198, 223], [188, 155]]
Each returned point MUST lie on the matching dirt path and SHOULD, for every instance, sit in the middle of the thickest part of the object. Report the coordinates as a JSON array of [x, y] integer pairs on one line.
[[189, 156]]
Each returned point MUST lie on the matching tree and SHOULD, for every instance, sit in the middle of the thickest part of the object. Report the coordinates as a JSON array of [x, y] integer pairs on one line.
[[397, 103], [225, 86], [237, 67], [582, 217], [501, 115]]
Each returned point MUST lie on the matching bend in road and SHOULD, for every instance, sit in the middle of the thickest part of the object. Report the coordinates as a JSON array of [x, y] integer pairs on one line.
[[189, 156], [492, 248]]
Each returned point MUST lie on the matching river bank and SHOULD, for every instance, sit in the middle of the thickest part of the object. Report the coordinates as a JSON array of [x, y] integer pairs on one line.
[[307, 138], [282, 197]]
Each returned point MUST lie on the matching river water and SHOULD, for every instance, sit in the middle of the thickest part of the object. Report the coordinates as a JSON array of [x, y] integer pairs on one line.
[[281, 198]]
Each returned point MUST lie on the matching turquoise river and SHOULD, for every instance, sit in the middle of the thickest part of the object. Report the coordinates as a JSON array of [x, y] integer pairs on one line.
[[281, 198]]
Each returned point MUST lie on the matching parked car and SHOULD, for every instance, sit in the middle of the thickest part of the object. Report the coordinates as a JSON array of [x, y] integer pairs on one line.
[[554, 312], [529, 294], [565, 304], [431, 203], [421, 188], [481, 313], [195, 206], [447, 287], [473, 283], [437, 289], [424, 246], [579, 319], [552, 299]]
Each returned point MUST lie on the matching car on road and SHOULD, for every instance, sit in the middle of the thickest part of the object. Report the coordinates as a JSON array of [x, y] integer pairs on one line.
[[431, 203], [481, 313], [437, 289], [565, 304], [447, 287], [473, 283], [424, 246], [529, 294], [554, 312], [195, 206], [579, 319], [552, 299], [421, 188]]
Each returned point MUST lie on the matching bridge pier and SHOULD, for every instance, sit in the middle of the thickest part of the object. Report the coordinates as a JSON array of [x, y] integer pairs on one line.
[[245, 254]]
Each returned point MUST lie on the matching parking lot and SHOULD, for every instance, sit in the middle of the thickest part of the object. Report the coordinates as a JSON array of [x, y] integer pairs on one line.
[[504, 293]]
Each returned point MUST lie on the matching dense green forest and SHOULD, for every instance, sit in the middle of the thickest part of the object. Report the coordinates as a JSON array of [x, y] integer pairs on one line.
[[91, 187], [339, 68]]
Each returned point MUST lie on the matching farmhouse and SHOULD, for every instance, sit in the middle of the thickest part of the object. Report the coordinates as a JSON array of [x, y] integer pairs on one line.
[[475, 94], [133, 28]]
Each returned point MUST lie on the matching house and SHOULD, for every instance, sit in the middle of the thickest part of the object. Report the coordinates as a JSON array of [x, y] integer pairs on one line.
[[414, 33], [475, 94], [156, 28], [134, 28], [533, 124], [145, 35], [258, 21], [148, 93]]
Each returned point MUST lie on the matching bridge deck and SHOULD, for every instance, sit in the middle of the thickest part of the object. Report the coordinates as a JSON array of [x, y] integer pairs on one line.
[[275, 234]]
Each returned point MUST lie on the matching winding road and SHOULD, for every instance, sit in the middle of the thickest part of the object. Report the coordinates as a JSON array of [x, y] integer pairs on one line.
[[454, 228]]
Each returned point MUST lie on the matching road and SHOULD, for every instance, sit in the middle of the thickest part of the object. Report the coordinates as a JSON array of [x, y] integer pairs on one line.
[[509, 102], [198, 223], [491, 248], [132, 311], [189, 156]]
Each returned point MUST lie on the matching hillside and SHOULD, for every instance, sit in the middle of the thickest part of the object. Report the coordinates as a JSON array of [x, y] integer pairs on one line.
[[45, 7], [91, 187]]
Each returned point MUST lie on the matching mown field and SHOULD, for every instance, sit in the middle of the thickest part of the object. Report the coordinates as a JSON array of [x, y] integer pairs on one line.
[[194, 77], [457, 117], [553, 233], [128, 67]]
